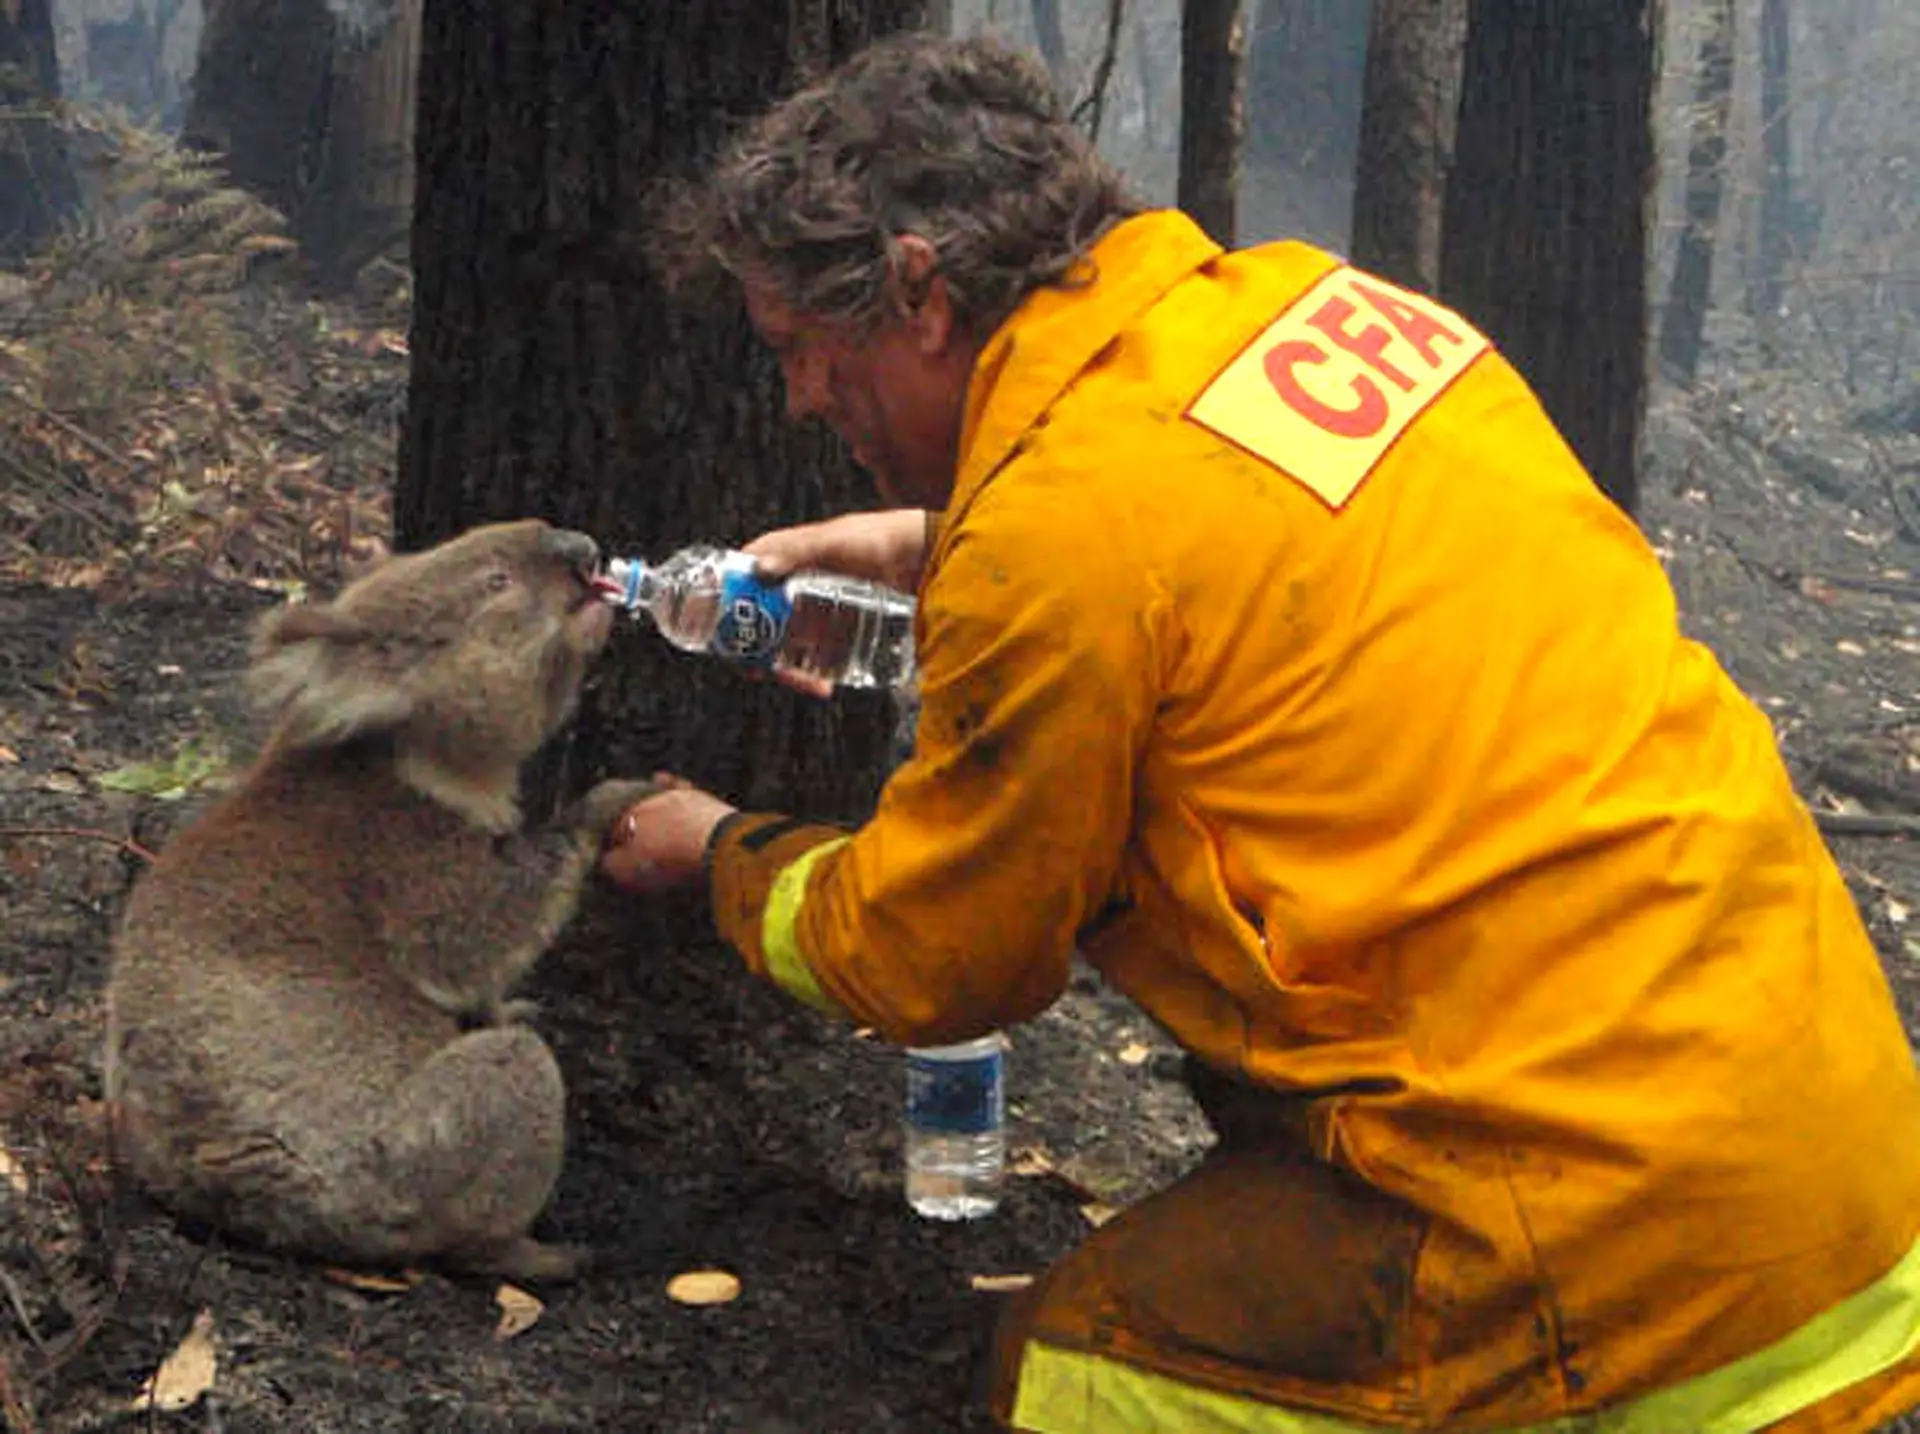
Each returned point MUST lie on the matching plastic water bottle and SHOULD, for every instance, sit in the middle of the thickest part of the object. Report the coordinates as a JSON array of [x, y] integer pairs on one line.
[[845, 631], [956, 1128]]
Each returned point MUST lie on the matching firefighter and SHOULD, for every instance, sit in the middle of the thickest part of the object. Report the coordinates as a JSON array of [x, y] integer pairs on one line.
[[1277, 653]]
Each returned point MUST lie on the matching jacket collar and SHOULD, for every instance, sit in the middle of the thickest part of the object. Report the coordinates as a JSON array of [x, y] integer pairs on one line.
[[1056, 332]]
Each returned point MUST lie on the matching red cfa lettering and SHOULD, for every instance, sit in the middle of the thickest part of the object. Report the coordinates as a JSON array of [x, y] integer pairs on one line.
[[1367, 342], [1366, 418], [1417, 328], [1369, 345]]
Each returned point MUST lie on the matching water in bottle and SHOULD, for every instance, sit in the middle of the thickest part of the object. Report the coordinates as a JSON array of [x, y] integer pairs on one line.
[[845, 631], [956, 1128]]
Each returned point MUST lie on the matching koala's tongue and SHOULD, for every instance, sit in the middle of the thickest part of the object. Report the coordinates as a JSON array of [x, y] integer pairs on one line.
[[606, 587]]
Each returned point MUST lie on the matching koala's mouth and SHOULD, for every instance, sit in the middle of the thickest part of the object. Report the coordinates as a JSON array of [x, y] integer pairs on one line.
[[589, 615], [589, 590]]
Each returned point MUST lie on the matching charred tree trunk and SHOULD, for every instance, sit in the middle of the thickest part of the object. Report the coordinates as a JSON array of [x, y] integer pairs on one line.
[[1777, 239], [1212, 112], [37, 188], [1545, 238], [314, 115], [1144, 75], [1306, 64], [1051, 37], [1690, 297], [552, 377], [124, 63], [1306, 71], [260, 92], [1407, 121], [360, 204]]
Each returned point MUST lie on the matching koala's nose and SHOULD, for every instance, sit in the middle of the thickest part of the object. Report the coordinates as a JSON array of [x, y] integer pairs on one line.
[[577, 550]]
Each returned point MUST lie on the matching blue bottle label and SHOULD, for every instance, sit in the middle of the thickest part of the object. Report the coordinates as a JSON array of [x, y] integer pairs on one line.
[[753, 617], [963, 1097]]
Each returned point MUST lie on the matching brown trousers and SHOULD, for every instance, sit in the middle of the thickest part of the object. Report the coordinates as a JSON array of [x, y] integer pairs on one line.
[[1269, 1275], [1264, 1273]]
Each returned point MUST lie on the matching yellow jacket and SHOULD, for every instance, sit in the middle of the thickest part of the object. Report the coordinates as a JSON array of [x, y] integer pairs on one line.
[[1276, 650]]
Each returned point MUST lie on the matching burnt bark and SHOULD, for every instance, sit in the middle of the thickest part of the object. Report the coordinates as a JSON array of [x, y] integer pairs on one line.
[[1051, 37], [1777, 207], [1090, 108], [553, 377], [1306, 62], [1408, 114], [260, 92], [314, 116], [1545, 234], [1212, 113], [1690, 295], [125, 64], [1145, 76], [360, 203], [37, 188]]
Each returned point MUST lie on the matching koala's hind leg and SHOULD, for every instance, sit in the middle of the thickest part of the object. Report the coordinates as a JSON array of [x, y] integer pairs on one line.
[[461, 1160]]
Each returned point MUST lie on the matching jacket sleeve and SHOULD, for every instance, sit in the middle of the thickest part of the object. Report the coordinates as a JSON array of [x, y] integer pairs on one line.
[[954, 909]]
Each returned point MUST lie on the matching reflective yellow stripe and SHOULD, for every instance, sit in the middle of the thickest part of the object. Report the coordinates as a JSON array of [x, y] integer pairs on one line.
[[1066, 1392], [779, 934]]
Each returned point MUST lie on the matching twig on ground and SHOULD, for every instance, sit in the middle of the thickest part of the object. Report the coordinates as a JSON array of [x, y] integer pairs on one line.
[[1866, 824], [126, 843], [1907, 589], [73, 430], [49, 486], [20, 1310], [1867, 786], [12, 1408]]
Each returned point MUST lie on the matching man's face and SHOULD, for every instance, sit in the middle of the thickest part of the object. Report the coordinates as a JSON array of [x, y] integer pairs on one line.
[[894, 395]]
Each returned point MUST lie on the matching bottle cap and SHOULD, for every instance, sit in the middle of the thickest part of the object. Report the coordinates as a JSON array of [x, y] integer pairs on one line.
[[619, 582]]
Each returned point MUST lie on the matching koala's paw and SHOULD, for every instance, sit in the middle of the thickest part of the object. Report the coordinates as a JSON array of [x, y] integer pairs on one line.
[[517, 1012], [606, 802]]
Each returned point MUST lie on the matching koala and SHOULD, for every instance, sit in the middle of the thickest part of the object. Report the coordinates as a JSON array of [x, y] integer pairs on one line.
[[310, 1041]]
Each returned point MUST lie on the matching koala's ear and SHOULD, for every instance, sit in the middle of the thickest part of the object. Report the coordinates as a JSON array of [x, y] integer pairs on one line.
[[314, 669], [303, 622]]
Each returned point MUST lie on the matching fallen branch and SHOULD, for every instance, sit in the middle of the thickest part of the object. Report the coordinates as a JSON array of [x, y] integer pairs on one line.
[[1905, 498], [1866, 824], [12, 1407], [73, 430], [125, 843], [20, 1310], [1867, 786], [1799, 580], [49, 485], [1907, 588]]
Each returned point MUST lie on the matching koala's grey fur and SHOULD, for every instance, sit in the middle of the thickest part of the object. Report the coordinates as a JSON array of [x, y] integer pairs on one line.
[[309, 1038]]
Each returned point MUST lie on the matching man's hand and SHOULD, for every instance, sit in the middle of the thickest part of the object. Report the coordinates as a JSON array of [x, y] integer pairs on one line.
[[888, 547], [661, 841]]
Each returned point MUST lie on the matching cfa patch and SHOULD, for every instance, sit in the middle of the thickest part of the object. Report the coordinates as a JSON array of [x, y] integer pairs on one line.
[[1324, 390]]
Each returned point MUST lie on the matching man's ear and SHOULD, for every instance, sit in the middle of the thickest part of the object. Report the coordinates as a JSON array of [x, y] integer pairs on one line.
[[925, 302]]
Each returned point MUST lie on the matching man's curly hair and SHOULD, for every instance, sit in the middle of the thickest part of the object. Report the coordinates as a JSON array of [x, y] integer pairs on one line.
[[962, 142]]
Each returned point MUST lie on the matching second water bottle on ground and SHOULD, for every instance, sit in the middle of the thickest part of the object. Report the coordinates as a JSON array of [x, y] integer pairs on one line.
[[955, 1131], [844, 631]]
